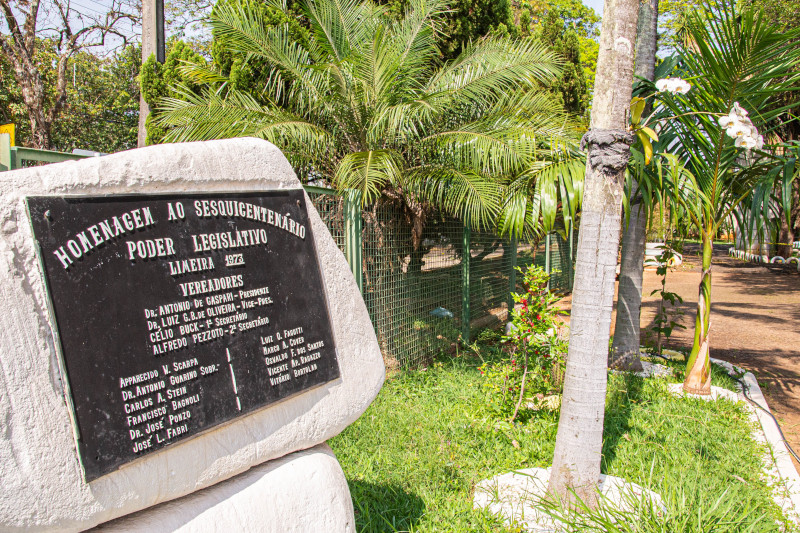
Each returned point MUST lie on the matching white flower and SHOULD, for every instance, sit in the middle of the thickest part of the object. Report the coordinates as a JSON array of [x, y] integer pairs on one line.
[[739, 111], [749, 143], [738, 129], [673, 85], [731, 119], [551, 332], [680, 86], [738, 126]]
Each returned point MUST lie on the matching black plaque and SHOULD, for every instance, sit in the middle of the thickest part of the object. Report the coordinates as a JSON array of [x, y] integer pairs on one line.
[[176, 313]]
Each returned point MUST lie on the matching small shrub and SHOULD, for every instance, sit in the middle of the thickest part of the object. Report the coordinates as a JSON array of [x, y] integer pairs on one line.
[[488, 336], [534, 358]]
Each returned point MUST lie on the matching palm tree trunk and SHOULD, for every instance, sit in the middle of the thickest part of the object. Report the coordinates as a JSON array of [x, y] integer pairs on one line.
[[576, 460], [698, 371], [785, 238], [625, 350]]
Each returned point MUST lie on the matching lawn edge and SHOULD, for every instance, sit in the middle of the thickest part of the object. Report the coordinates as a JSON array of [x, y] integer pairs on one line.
[[771, 435]]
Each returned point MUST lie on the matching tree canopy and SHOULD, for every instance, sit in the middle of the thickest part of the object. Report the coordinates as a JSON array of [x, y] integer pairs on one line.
[[65, 31], [367, 104], [101, 100]]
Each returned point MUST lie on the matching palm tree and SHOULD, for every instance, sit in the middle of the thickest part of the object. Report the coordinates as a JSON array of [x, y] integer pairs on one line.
[[576, 460], [625, 348], [367, 104], [737, 63]]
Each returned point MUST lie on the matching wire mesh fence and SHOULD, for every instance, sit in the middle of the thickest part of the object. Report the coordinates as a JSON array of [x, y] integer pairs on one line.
[[491, 264], [412, 295], [330, 207], [422, 299]]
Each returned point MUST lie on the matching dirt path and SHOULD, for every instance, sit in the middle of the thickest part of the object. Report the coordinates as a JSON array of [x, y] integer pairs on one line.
[[755, 313]]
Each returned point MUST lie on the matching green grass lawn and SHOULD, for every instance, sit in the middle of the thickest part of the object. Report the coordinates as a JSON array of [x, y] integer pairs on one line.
[[413, 458]]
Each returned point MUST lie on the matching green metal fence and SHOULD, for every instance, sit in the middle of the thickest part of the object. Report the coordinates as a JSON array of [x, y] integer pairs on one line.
[[14, 157], [456, 282], [421, 300]]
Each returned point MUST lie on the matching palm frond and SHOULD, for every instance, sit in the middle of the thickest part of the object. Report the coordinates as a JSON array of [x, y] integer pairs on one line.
[[369, 172], [470, 196]]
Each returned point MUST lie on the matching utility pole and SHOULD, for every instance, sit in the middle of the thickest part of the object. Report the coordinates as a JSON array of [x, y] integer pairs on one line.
[[152, 43]]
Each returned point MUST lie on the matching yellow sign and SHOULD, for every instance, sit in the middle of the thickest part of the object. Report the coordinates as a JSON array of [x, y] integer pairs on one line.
[[8, 128]]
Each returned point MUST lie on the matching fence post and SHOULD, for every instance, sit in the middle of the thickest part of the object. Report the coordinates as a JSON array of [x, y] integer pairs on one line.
[[5, 152], [465, 259], [352, 234], [547, 259], [512, 276]]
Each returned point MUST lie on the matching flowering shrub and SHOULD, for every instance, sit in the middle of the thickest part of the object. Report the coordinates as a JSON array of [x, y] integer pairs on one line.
[[534, 322], [534, 364]]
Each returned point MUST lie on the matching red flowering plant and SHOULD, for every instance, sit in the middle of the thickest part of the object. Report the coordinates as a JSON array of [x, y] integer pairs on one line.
[[535, 351]]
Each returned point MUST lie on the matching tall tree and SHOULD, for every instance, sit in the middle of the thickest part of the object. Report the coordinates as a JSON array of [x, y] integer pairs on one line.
[[625, 349], [101, 106], [156, 80], [70, 31], [572, 85], [576, 19], [576, 460], [464, 22]]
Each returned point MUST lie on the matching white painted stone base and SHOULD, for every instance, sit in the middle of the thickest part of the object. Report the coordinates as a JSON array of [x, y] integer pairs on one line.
[[515, 496], [652, 370], [303, 492], [676, 389]]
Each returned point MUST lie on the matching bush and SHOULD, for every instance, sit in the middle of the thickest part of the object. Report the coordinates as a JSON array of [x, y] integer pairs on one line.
[[534, 362]]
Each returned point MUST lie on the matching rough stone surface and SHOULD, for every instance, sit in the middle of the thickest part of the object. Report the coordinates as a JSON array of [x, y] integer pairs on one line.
[[652, 370], [41, 480], [515, 497], [302, 492]]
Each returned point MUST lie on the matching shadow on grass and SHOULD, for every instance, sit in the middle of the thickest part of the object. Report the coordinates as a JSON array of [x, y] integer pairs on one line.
[[618, 413], [384, 507]]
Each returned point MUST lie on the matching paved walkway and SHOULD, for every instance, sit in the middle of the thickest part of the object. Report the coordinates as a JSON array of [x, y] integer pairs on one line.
[[755, 323]]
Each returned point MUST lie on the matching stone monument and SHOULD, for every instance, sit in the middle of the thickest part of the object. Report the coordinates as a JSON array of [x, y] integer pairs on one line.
[[181, 335]]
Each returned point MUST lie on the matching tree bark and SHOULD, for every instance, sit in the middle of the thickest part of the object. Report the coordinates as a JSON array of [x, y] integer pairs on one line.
[[625, 349], [698, 376], [783, 247], [576, 460]]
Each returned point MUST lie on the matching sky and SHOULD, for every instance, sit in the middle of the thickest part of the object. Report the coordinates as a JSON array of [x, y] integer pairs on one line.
[[597, 5]]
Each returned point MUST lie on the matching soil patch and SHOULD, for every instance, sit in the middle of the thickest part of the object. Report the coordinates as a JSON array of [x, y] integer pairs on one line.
[[754, 313]]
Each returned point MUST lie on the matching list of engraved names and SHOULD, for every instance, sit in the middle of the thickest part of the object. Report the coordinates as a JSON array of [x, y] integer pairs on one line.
[[176, 314]]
